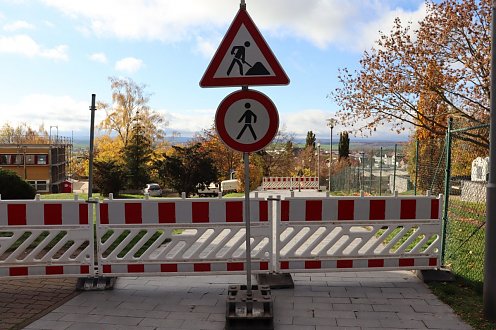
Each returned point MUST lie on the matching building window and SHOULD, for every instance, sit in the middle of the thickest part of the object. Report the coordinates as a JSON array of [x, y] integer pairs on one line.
[[30, 159], [18, 160], [41, 159], [39, 185], [4, 159]]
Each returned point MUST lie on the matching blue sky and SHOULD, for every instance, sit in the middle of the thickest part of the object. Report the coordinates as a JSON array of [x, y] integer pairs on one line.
[[55, 53]]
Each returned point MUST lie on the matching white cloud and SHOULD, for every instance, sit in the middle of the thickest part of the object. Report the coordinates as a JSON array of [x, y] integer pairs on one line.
[[385, 22], [36, 109], [129, 65], [206, 47], [26, 46], [73, 115], [49, 24], [18, 25], [351, 24], [189, 122], [315, 120], [195, 120], [98, 57]]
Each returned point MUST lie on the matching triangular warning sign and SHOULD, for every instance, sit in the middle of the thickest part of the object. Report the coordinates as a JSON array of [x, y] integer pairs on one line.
[[243, 58]]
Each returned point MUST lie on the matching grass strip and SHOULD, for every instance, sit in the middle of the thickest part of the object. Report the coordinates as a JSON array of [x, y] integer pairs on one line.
[[465, 300]]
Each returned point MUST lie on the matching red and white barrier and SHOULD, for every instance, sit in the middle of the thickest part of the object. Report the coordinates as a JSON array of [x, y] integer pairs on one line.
[[362, 264], [46, 238], [182, 268], [180, 211], [183, 236], [356, 208], [358, 233], [207, 236], [290, 183]]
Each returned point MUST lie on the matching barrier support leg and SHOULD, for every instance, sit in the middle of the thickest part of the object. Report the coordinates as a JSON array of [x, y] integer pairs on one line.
[[93, 283], [274, 279], [435, 275]]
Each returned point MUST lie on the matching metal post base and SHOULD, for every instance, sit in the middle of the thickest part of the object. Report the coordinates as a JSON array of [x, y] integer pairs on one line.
[[95, 283], [435, 275], [276, 280], [248, 313]]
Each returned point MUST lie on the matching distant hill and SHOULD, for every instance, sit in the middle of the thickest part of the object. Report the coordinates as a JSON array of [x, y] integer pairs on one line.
[[355, 144]]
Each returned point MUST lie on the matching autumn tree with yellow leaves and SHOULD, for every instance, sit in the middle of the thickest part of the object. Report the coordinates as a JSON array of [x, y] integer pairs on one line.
[[445, 61], [134, 132]]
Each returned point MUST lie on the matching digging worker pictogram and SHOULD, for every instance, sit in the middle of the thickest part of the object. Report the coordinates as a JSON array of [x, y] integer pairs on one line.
[[248, 116], [239, 57]]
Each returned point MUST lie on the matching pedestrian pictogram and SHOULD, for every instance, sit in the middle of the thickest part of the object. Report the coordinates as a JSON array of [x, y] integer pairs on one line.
[[243, 58], [247, 117], [247, 120]]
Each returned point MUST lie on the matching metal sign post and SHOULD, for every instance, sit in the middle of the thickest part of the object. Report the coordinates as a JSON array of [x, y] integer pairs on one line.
[[246, 121], [246, 159]]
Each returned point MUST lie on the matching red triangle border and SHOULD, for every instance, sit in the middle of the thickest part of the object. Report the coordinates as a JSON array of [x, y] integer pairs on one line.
[[243, 18]]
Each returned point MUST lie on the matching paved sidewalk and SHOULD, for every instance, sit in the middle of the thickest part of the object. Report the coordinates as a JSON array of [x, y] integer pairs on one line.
[[352, 300], [24, 300]]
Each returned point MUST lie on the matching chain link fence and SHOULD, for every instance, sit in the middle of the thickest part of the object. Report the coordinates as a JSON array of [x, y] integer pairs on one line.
[[465, 206], [456, 166], [384, 170]]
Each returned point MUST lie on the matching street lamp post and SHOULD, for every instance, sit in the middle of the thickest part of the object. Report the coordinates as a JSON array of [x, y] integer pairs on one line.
[[331, 122]]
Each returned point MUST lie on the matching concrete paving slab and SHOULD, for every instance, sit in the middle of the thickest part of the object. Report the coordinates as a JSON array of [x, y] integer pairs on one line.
[[198, 302]]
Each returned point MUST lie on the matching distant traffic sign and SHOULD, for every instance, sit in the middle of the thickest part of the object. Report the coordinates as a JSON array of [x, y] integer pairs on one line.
[[247, 120], [243, 58]]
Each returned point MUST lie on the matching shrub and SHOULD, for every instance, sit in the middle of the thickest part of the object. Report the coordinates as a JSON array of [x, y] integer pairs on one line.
[[13, 187]]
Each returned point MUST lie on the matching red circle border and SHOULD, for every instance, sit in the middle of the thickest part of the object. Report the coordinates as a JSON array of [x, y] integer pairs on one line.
[[253, 95]]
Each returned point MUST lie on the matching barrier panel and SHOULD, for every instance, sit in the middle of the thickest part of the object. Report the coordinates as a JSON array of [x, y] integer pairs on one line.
[[46, 238], [290, 183], [358, 233], [207, 236], [181, 236]]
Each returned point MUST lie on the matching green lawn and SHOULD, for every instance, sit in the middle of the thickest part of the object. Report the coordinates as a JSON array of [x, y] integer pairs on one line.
[[85, 196], [465, 239], [464, 256], [465, 301]]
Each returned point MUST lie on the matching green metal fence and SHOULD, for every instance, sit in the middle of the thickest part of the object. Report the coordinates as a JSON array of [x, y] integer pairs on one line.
[[465, 203], [455, 166]]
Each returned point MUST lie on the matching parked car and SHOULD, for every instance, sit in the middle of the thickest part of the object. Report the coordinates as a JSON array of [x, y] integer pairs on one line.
[[211, 190], [153, 189]]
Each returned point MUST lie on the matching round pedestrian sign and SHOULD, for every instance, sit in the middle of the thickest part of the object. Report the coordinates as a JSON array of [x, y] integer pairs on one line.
[[247, 120]]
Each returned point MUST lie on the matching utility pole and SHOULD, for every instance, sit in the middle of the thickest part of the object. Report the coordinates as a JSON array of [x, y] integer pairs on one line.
[[489, 292]]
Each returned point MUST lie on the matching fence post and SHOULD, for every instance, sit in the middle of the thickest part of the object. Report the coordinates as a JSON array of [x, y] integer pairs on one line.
[[447, 179], [380, 176], [371, 165], [275, 222], [416, 166], [394, 168]]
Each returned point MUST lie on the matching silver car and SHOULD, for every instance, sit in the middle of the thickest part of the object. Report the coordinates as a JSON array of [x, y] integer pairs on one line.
[[153, 189]]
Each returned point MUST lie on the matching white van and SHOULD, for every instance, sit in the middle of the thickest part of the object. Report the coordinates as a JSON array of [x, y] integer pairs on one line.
[[212, 190]]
